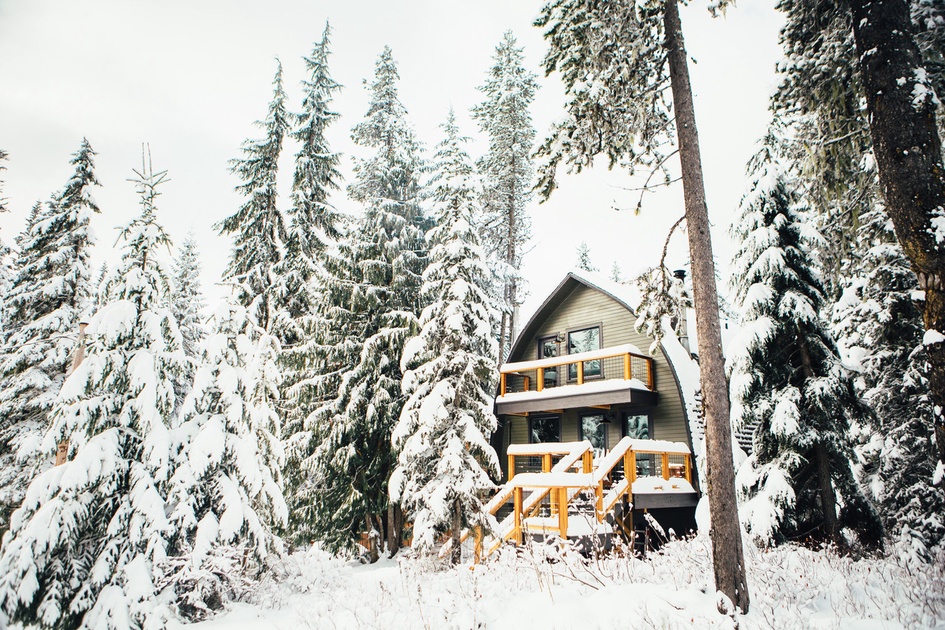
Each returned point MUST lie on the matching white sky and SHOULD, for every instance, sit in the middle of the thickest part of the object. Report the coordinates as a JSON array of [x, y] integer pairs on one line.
[[189, 77]]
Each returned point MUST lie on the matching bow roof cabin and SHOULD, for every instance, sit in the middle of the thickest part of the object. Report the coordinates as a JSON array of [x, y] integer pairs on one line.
[[585, 410]]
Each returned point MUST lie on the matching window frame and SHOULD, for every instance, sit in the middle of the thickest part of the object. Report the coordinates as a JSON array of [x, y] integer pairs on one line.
[[540, 355], [600, 344], [544, 416], [603, 424]]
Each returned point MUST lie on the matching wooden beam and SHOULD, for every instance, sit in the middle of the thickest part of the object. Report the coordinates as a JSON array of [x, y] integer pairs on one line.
[[502, 384], [540, 382], [563, 512], [517, 516], [627, 367], [600, 406], [580, 372]]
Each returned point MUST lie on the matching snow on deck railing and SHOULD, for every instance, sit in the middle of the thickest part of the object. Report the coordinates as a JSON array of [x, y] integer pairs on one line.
[[538, 370], [528, 490]]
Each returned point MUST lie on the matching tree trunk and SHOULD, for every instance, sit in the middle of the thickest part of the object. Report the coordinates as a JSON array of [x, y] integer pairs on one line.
[[393, 530], [909, 159], [727, 553], [373, 540], [828, 498], [456, 553]]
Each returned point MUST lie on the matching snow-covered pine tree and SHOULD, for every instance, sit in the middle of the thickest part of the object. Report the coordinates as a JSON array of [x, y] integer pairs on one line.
[[314, 223], [81, 551], [584, 258], [224, 495], [445, 459], [616, 273], [258, 226], [508, 171], [374, 289], [188, 301], [881, 326], [187, 304], [787, 379], [49, 293]]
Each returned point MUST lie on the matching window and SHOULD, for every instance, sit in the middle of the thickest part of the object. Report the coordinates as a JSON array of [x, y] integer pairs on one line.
[[638, 428], [584, 340], [594, 430], [544, 429], [548, 349]]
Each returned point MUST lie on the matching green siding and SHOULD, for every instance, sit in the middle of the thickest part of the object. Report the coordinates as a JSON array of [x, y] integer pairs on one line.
[[589, 307]]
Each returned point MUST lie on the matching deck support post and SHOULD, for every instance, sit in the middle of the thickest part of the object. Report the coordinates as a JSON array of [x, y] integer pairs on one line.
[[563, 512], [627, 367], [517, 511]]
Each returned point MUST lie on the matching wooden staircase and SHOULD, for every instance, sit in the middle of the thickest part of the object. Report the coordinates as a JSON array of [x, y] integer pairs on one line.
[[555, 501]]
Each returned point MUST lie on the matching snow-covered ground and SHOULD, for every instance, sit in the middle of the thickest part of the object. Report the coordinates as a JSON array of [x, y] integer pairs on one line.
[[791, 587]]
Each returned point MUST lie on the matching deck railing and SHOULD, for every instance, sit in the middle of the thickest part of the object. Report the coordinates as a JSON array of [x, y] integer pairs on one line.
[[528, 491], [618, 362]]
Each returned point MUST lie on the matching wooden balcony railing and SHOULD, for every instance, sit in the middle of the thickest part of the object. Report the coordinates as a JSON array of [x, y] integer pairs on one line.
[[618, 362]]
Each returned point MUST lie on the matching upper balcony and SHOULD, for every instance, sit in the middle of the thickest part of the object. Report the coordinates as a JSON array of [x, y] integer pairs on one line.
[[599, 378]]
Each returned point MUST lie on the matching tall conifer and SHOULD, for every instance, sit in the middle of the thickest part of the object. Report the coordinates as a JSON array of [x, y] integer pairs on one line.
[[787, 380], [82, 550], [50, 291], [258, 226], [314, 224], [507, 170], [374, 284], [445, 459]]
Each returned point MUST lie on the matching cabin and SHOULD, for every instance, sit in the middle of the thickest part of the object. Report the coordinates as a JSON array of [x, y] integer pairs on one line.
[[591, 423]]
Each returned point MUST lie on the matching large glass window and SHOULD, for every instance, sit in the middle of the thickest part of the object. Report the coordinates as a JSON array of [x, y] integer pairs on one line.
[[548, 349], [584, 341], [594, 430], [544, 429]]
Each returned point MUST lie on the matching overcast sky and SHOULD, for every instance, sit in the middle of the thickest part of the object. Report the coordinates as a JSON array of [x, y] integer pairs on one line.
[[189, 77]]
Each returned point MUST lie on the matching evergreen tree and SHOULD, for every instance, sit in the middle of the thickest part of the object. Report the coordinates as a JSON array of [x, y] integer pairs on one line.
[[314, 223], [507, 170], [188, 302], [787, 380], [50, 292], [224, 495], [822, 99], [82, 550], [445, 458], [373, 285], [619, 62], [258, 226], [616, 273], [881, 325], [584, 258]]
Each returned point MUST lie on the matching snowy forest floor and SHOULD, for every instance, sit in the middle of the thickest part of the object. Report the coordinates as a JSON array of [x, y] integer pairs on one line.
[[790, 587]]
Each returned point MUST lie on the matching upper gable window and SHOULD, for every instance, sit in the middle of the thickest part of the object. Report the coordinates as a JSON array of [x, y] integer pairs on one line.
[[584, 340]]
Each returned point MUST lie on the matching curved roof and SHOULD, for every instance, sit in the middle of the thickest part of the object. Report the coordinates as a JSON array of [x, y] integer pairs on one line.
[[620, 293]]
